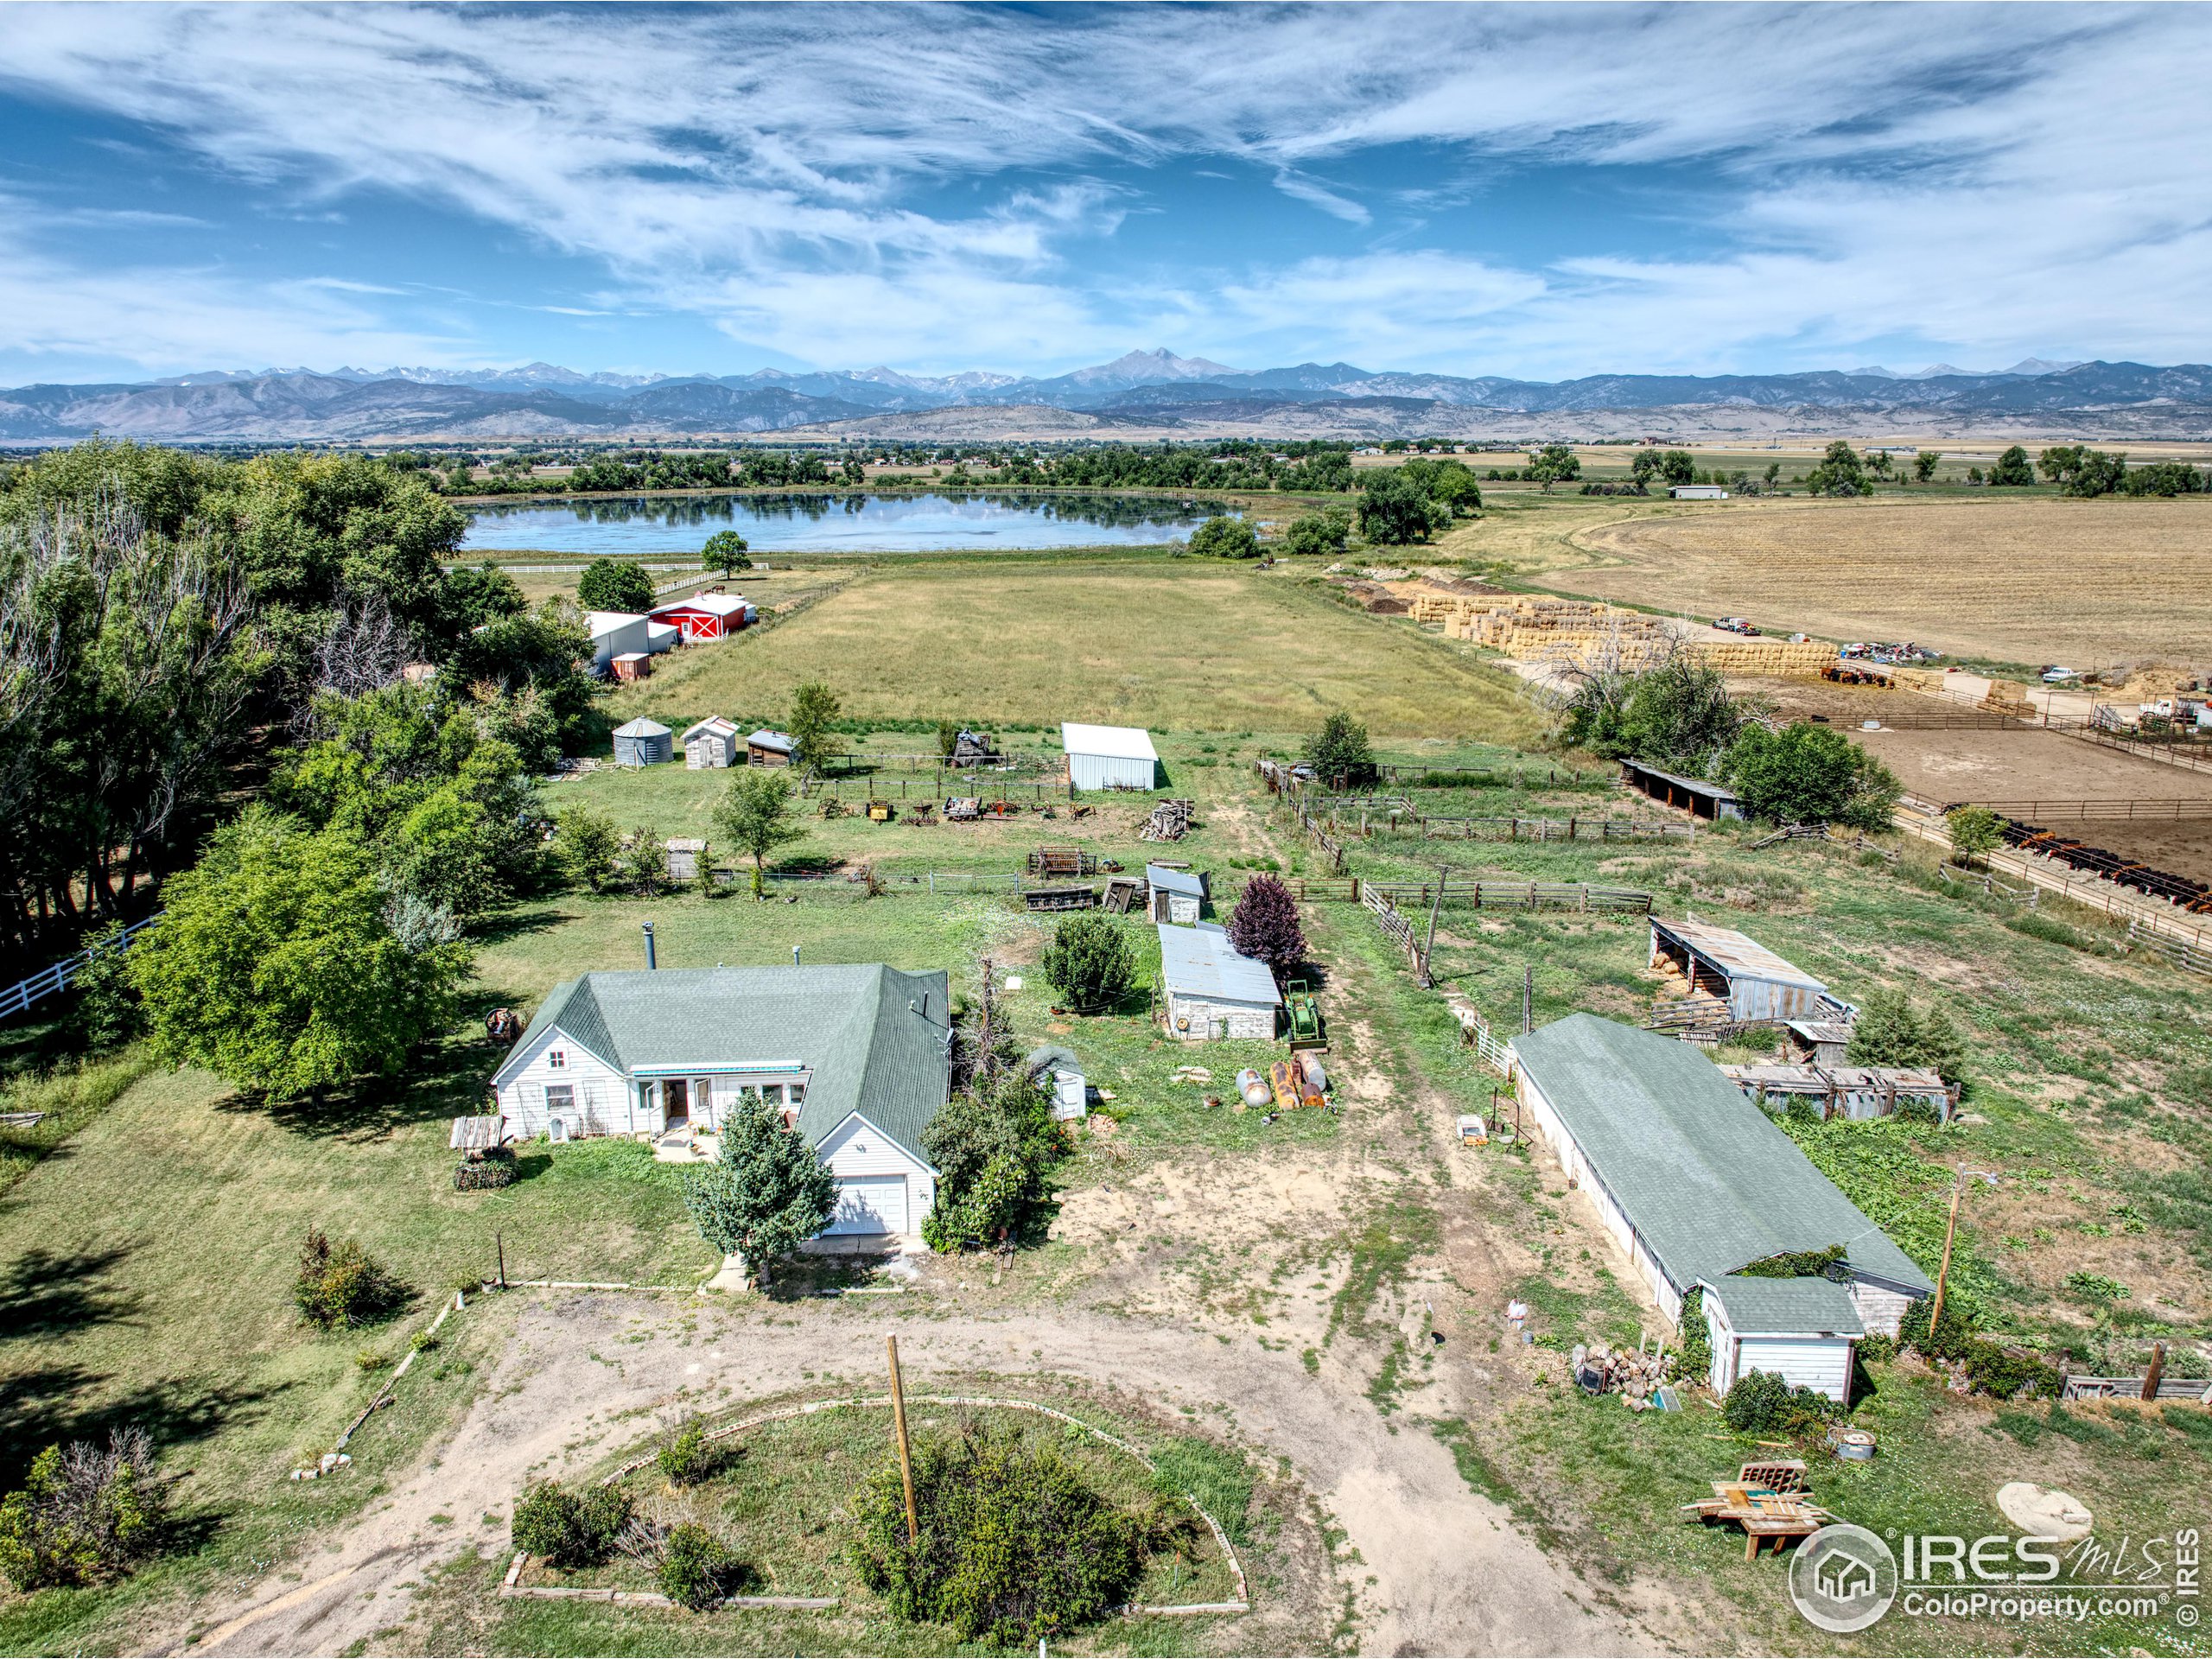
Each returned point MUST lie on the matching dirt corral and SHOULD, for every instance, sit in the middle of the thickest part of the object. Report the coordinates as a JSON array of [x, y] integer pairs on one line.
[[2017, 764]]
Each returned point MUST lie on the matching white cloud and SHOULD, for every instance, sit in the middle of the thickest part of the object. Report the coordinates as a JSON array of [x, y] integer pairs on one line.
[[941, 187]]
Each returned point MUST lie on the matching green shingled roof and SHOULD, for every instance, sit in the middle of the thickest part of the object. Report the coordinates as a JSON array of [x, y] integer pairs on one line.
[[872, 1037], [1706, 1180], [1773, 1307]]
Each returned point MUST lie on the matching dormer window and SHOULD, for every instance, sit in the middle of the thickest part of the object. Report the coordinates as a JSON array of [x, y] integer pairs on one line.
[[557, 1059]]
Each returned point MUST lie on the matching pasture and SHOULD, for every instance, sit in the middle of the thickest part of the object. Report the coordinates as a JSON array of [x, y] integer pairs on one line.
[[2083, 582], [1169, 644]]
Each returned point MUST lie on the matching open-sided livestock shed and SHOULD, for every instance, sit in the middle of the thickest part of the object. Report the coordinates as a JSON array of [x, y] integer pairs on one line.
[[1758, 984], [1699, 796], [1692, 1180], [1109, 757]]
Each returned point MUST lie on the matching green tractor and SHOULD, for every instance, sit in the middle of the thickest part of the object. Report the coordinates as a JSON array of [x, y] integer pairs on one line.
[[1305, 1016]]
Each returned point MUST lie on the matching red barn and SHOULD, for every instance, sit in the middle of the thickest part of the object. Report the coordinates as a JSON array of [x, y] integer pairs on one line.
[[707, 616]]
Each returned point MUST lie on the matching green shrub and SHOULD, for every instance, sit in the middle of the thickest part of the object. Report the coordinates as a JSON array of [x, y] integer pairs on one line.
[[1947, 1342], [2009, 1373], [1694, 1359], [2096, 1287], [85, 1513], [695, 1567], [1088, 961], [1761, 1402], [687, 1456], [106, 1013], [569, 1529], [1013, 1546], [342, 1285], [1875, 1349]]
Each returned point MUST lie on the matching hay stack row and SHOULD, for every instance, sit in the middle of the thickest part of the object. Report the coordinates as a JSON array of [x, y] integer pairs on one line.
[[1577, 633]]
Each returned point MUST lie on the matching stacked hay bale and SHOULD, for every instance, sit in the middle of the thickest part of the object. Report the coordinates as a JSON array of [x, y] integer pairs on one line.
[[1774, 657]]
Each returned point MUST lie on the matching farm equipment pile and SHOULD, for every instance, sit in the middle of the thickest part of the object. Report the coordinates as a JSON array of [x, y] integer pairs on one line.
[[2192, 896]]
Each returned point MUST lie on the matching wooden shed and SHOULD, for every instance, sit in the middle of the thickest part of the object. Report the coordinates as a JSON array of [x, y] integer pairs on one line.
[[683, 856], [1757, 984], [712, 744], [767, 748], [1177, 896], [642, 743]]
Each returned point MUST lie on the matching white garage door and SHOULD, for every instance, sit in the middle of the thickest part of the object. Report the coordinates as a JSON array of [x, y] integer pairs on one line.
[[870, 1203]]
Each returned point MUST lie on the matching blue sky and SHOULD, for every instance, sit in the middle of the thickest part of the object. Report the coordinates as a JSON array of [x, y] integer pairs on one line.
[[1541, 191]]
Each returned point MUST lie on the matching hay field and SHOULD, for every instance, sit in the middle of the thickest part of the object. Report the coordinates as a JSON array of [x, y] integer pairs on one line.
[[2082, 582], [1168, 645]]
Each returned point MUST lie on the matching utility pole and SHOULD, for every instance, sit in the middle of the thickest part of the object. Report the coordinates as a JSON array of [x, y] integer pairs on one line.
[[1950, 1232], [906, 1451]]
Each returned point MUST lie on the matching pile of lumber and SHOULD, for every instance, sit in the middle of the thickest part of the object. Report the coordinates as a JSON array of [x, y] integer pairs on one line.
[[1170, 821]]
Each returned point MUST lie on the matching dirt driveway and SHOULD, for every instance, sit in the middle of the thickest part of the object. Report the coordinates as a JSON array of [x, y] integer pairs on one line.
[[1438, 1568]]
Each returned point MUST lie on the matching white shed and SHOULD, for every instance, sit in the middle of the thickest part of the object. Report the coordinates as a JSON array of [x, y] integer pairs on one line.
[[1698, 492], [1800, 1330], [616, 633], [1109, 757], [1211, 991], [713, 743], [1176, 895]]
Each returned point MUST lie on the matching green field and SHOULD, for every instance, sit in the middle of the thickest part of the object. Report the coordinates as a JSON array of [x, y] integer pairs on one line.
[[1166, 644]]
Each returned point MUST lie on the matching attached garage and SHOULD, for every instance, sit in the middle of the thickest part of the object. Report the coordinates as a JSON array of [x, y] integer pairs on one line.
[[869, 1204]]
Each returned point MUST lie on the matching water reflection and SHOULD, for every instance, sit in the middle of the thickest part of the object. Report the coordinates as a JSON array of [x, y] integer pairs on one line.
[[854, 521]]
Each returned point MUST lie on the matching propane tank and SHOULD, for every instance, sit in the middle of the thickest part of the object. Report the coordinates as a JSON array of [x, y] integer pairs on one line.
[[1253, 1087], [1316, 1075]]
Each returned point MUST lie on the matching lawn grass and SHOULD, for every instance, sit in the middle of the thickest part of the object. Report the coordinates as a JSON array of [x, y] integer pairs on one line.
[[1174, 644]]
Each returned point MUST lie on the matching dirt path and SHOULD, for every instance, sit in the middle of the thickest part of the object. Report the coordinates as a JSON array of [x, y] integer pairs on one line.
[[1438, 1568]]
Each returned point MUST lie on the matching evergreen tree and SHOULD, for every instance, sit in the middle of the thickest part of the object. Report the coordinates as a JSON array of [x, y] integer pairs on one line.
[[766, 1194]]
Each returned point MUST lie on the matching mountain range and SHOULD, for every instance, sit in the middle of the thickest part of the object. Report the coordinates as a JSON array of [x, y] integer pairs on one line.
[[1143, 393]]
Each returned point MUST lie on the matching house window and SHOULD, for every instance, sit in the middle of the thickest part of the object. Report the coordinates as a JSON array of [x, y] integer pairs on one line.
[[560, 1098], [557, 1059]]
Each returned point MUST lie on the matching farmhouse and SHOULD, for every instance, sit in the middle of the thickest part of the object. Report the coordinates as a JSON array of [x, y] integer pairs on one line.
[[707, 616], [856, 1058], [1800, 1330], [1756, 983], [713, 743], [1109, 757], [767, 748], [1176, 895], [1211, 991], [1694, 796], [642, 743], [1693, 1181]]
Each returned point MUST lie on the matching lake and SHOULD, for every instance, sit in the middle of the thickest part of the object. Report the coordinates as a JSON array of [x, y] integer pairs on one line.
[[855, 523]]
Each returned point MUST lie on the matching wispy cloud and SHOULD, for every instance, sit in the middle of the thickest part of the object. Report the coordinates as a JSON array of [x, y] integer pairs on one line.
[[942, 187]]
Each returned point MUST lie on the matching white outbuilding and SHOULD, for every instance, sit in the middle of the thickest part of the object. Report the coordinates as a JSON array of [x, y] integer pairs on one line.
[[1109, 757], [1211, 990], [1800, 1330]]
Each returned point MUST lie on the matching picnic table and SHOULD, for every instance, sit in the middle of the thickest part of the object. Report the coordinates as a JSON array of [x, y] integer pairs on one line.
[[1768, 1501]]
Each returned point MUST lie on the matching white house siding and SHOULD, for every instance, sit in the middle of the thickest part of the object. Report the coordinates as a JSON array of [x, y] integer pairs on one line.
[[1880, 1310], [601, 1094], [876, 1178], [1211, 1018], [1610, 1214]]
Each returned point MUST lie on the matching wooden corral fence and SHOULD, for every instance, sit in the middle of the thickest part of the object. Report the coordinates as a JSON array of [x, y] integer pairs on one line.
[[850, 786], [1281, 780], [2138, 1387], [2189, 757], [2146, 811], [1400, 931], [1399, 815], [24, 993]]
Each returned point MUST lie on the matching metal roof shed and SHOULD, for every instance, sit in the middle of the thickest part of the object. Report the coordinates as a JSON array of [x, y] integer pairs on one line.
[[1758, 984], [1211, 990], [1176, 895], [1698, 796], [1689, 1177], [642, 743], [1109, 757]]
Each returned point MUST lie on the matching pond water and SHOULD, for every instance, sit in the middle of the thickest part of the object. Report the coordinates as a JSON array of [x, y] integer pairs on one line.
[[855, 523]]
